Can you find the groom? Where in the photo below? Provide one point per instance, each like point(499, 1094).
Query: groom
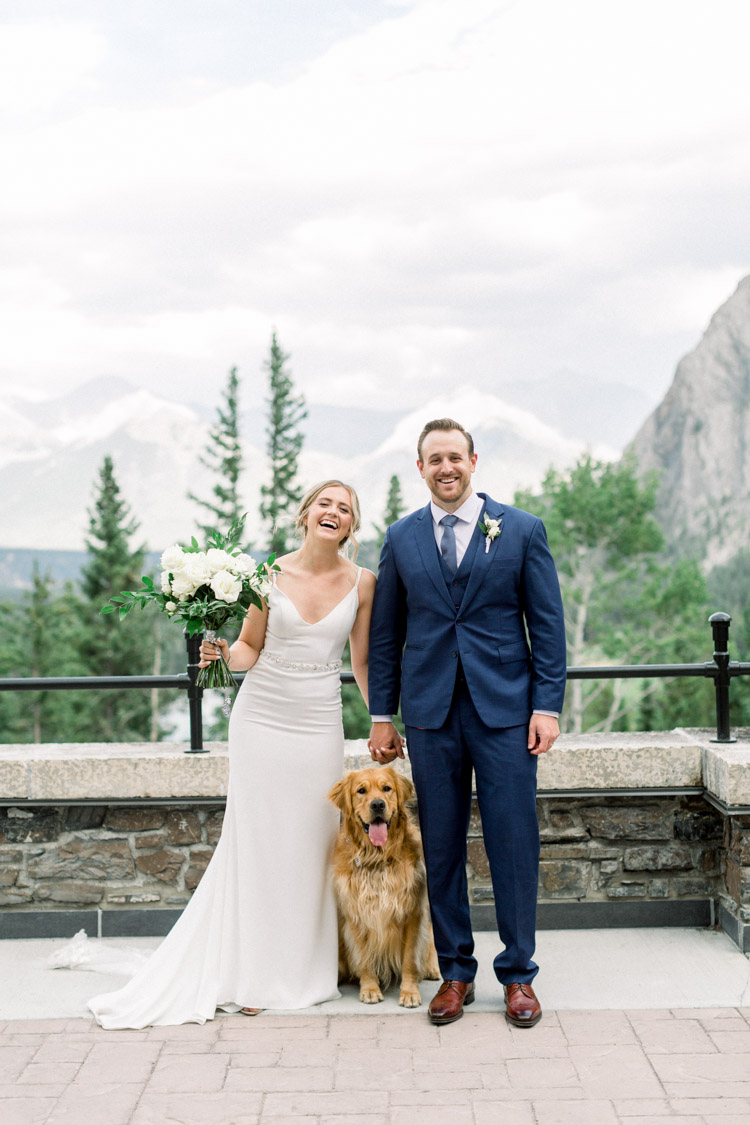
point(462, 584)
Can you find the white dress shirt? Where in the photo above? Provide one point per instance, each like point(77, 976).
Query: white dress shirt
point(468, 516)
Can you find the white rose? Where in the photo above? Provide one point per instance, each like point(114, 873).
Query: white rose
point(173, 559)
point(165, 586)
point(225, 586)
point(218, 560)
point(183, 586)
point(198, 569)
point(170, 607)
point(242, 564)
point(264, 587)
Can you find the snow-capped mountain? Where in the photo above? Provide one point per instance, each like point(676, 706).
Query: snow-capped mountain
point(52, 452)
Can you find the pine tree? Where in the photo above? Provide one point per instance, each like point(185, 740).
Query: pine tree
point(113, 647)
point(223, 457)
point(285, 440)
point(394, 507)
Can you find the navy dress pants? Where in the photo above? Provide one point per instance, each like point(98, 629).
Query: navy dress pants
point(442, 762)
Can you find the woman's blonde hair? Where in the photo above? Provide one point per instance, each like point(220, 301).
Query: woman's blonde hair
point(349, 544)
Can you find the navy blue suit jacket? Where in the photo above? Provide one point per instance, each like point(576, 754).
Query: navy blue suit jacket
point(509, 632)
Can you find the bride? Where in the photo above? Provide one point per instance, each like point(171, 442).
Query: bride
point(260, 930)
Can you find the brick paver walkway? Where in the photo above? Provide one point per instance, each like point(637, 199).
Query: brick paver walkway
point(604, 1067)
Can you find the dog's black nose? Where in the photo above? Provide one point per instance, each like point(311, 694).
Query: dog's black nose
point(377, 806)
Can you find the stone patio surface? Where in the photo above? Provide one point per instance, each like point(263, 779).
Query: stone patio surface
point(616, 1061)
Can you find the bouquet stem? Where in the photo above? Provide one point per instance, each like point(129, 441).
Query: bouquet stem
point(217, 674)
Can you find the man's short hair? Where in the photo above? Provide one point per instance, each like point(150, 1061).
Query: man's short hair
point(444, 424)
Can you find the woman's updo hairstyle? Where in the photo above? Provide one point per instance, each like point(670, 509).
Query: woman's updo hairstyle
point(348, 545)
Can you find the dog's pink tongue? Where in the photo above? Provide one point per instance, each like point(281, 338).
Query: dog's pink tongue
point(378, 833)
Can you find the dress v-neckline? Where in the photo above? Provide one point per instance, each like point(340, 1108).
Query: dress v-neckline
point(320, 619)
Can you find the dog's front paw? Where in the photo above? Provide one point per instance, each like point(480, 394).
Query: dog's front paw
point(370, 995)
point(410, 998)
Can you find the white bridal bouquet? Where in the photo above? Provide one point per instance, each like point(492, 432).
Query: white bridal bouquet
point(205, 589)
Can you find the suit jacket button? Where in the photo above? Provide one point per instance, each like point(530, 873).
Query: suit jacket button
point(455, 583)
point(454, 655)
point(459, 621)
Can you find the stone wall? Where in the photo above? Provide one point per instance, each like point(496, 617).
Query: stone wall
point(650, 828)
point(629, 848)
point(108, 857)
point(154, 855)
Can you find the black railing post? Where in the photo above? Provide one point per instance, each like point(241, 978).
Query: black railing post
point(195, 695)
point(720, 623)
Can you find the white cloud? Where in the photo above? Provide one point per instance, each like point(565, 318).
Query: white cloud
point(454, 190)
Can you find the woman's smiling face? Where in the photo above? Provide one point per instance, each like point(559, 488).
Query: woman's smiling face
point(330, 514)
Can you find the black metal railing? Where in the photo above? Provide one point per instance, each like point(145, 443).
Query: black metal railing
point(720, 669)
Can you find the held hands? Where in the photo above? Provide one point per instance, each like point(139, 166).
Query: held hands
point(385, 743)
point(543, 731)
point(210, 652)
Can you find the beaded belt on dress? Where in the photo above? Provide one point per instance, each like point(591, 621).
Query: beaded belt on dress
point(298, 666)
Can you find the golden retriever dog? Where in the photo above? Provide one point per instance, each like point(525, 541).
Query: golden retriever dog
point(381, 887)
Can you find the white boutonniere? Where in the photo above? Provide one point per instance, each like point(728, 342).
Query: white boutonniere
point(490, 529)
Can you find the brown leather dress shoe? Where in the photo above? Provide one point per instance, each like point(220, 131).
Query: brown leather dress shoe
point(522, 1008)
point(448, 1002)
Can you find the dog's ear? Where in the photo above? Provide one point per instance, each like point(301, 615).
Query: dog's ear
point(404, 788)
point(341, 796)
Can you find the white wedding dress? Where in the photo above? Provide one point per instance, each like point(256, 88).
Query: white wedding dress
point(260, 930)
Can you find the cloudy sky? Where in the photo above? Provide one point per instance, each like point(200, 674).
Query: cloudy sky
point(413, 193)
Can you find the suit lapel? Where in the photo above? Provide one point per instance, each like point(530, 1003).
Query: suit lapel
point(483, 559)
point(425, 537)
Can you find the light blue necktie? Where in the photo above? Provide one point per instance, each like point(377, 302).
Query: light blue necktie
point(448, 542)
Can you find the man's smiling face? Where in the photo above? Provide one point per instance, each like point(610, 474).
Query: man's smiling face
point(447, 467)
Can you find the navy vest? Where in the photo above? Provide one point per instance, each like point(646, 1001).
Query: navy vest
point(458, 582)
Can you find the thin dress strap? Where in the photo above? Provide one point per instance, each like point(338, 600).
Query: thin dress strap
point(359, 575)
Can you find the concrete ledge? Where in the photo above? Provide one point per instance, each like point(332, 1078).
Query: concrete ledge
point(660, 760)
point(726, 771)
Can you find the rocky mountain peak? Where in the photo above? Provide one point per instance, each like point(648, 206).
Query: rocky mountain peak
point(698, 440)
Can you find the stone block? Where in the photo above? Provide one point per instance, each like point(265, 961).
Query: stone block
point(80, 818)
point(628, 823)
point(726, 771)
point(738, 844)
point(200, 857)
point(164, 864)
point(70, 893)
point(564, 851)
point(81, 859)
point(668, 857)
point(214, 822)
point(482, 894)
point(136, 898)
point(134, 819)
point(477, 857)
point(561, 819)
point(709, 861)
point(26, 826)
point(627, 890)
point(609, 866)
point(564, 878)
point(183, 827)
point(15, 896)
point(617, 760)
point(695, 824)
point(737, 879)
point(151, 840)
point(693, 885)
point(658, 888)
point(475, 820)
point(11, 861)
point(573, 835)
